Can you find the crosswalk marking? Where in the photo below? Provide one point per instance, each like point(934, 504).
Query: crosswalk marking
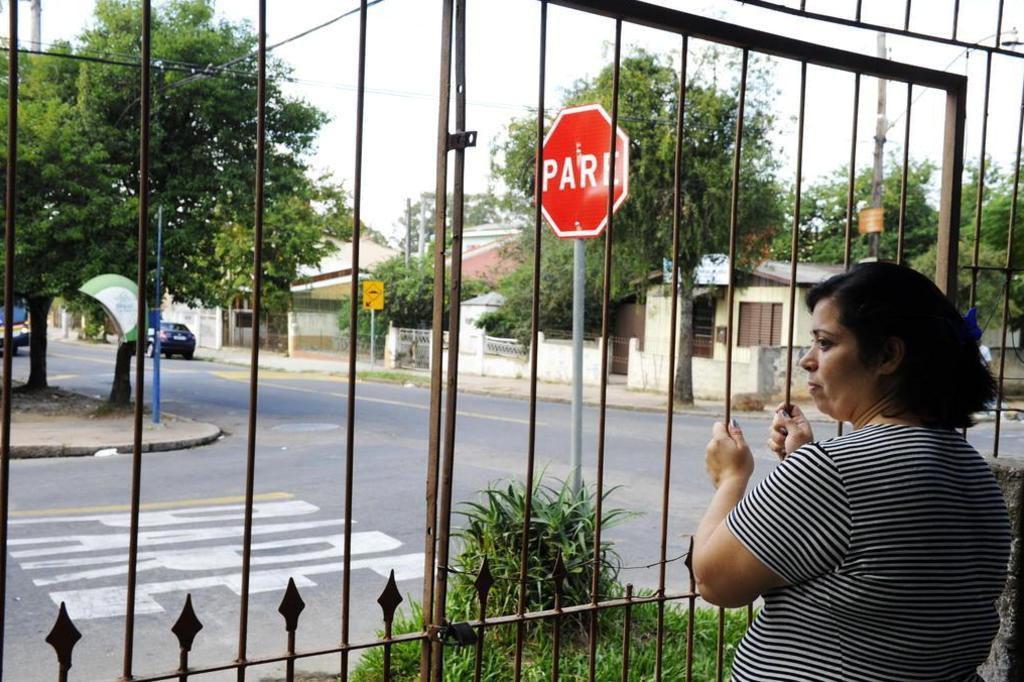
point(84, 556)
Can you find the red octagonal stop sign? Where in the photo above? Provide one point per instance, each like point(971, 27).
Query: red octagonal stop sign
point(575, 173)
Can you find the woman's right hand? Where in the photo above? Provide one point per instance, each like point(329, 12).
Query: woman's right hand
point(789, 431)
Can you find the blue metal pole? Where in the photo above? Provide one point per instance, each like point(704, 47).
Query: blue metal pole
point(156, 324)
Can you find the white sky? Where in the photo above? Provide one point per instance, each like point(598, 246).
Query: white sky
point(403, 67)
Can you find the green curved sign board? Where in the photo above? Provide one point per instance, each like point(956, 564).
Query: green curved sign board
point(119, 297)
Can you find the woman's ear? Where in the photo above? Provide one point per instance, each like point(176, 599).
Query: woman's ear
point(893, 352)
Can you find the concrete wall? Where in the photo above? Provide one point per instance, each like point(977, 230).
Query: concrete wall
point(554, 363)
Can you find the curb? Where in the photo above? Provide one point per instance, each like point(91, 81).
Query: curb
point(64, 450)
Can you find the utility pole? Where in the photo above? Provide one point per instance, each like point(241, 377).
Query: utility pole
point(408, 229)
point(37, 18)
point(881, 126)
point(421, 243)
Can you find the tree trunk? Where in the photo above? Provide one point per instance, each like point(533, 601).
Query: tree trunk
point(121, 391)
point(38, 310)
point(684, 349)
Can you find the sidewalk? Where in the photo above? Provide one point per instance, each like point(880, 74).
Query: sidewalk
point(76, 437)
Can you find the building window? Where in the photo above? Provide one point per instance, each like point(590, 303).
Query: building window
point(703, 327)
point(760, 324)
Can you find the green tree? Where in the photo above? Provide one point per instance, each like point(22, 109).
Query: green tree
point(642, 234)
point(78, 165)
point(822, 235)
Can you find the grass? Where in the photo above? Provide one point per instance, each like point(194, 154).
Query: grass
point(497, 662)
point(394, 377)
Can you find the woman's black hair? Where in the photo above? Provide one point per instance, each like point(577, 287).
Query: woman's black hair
point(942, 379)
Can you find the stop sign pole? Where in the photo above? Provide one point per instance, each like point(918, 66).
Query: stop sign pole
point(575, 177)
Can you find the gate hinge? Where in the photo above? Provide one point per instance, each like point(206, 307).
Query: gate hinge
point(459, 634)
point(461, 139)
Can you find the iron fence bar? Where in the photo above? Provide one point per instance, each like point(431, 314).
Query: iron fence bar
point(950, 191)
point(605, 315)
point(731, 303)
point(531, 444)
point(981, 182)
point(1009, 278)
point(690, 612)
point(956, 17)
point(999, 24)
point(850, 189)
point(257, 303)
point(852, 181)
point(903, 181)
point(795, 237)
point(10, 206)
point(882, 28)
point(283, 658)
point(906, 17)
point(454, 300)
point(627, 626)
point(140, 338)
point(353, 325)
point(857, 15)
point(429, 648)
point(481, 631)
point(556, 621)
point(674, 316)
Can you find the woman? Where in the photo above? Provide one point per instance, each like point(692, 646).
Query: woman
point(879, 553)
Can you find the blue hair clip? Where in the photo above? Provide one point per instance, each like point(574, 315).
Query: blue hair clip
point(971, 329)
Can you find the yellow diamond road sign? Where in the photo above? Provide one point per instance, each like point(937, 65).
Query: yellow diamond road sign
point(373, 295)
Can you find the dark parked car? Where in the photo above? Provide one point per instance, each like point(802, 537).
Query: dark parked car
point(175, 339)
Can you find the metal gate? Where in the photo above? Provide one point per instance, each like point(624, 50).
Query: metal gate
point(455, 140)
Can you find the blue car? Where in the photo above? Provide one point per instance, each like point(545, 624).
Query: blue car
point(20, 332)
point(175, 339)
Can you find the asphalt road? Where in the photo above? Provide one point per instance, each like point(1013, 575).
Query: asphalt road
point(68, 535)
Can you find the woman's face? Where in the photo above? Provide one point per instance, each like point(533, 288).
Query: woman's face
point(842, 386)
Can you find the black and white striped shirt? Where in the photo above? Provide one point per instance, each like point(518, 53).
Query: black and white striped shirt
point(894, 541)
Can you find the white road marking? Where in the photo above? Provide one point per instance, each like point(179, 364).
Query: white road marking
point(108, 602)
point(181, 540)
point(171, 517)
point(218, 558)
point(89, 543)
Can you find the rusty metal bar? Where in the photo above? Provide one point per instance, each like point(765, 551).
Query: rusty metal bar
point(481, 631)
point(999, 26)
point(882, 28)
point(1009, 277)
point(10, 207)
point(949, 191)
point(257, 302)
point(353, 326)
point(430, 647)
point(605, 315)
point(531, 444)
point(677, 198)
point(454, 304)
point(387, 648)
point(794, 244)
point(851, 183)
point(901, 229)
point(556, 622)
point(980, 198)
point(290, 664)
point(627, 627)
point(690, 612)
point(145, 101)
point(731, 304)
point(414, 636)
point(733, 226)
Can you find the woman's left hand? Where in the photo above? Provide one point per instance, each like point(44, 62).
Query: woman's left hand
point(727, 455)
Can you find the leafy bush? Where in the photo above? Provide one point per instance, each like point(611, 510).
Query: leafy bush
point(562, 522)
